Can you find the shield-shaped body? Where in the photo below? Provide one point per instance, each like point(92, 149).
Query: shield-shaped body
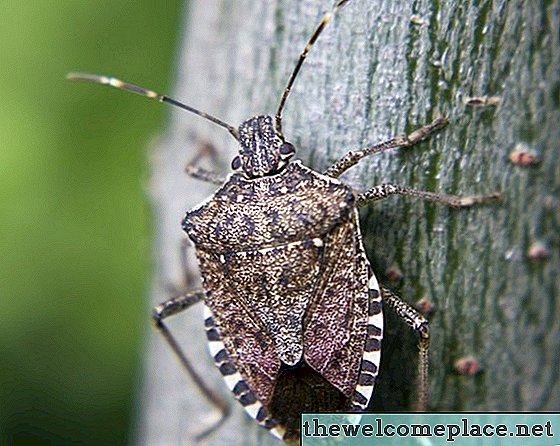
point(293, 313)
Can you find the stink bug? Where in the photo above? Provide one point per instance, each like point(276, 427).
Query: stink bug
point(293, 312)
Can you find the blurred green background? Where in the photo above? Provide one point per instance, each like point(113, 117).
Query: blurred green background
point(74, 220)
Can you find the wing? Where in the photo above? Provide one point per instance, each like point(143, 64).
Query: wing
point(335, 327)
point(248, 345)
point(233, 379)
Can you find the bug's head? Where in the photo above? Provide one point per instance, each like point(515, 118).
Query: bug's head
point(262, 149)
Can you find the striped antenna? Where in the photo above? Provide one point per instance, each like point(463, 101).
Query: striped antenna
point(326, 18)
point(117, 83)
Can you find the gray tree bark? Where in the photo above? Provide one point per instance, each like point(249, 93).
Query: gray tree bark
point(382, 68)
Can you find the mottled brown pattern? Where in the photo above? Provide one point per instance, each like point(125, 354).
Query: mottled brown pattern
point(248, 214)
point(277, 292)
point(335, 326)
point(275, 252)
point(248, 345)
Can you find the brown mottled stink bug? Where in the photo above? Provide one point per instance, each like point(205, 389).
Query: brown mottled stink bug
point(293, 312)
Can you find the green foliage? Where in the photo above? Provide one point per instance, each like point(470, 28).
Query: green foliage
point(73, 226)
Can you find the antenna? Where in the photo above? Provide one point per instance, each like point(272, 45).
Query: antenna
point(117, 83)
point(326, 18)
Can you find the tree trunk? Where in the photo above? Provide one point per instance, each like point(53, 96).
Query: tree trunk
point(380, 69)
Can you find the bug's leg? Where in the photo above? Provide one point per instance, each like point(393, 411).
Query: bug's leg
point(206, 150)
point(172, 307)
point(189, 279)
point(352, 158)
point(420, 324)
point(204, 175)
point(384, 190)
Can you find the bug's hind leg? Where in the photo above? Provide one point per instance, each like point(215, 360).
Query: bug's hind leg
point(419, 324)
point(172, 307)
point(205, 150)
point(352, 158)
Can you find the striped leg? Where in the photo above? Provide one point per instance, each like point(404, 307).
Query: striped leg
point(420, 324)
point(170, 308)
point(372, 353)
point(234, 381)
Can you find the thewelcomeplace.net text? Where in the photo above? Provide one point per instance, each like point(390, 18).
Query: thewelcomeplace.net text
point(450, 431)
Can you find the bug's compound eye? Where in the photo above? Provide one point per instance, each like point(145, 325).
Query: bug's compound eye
point(287, 149)
point(236, 163)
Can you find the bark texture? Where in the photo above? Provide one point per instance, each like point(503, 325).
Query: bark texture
point(379, 69)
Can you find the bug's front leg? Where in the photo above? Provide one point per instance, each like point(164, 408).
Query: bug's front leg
point(172, 307)
point(206, 150)
point(384, 190)
point(202, 174)
point(419, 324)
point(353, 157)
